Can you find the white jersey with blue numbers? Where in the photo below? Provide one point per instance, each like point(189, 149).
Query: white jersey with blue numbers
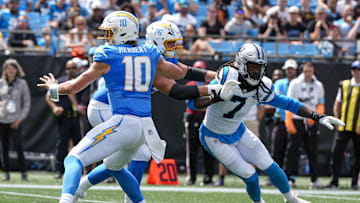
point(225, 118)
point(130, 77)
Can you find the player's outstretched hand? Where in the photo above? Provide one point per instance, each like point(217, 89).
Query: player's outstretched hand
point(329, 121)
point(228, 89)
point(48, 80)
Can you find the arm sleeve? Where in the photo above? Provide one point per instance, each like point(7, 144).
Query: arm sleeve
point(182, 92)
point(191, 105)
point(285, 103)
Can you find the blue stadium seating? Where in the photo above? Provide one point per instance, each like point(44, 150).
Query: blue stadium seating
point(269, 47)
point(202, 10)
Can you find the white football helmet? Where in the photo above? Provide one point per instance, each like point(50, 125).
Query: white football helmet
point(166, 36)
point(251, 53)
point(120, 27)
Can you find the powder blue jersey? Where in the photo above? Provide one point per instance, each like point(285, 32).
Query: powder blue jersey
point(130, 78)
point(58, 14)
point(8, 21)
point(101, 95)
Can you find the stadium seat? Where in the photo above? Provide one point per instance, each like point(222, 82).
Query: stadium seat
point(310, 49)
point(283, 49)
point(34, 20)
point(238, 44)
point(141, 41)
point(269, 47)
point(202, 10)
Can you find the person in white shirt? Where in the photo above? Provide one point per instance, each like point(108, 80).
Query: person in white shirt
point(310, 91)
point(281, 10)
point(182, 18)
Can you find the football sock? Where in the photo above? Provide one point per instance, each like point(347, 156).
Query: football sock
point(98, 174)
point(72, 175)
point(129, 184)
point(137, 168)
point(278, 178)
point(253, 187)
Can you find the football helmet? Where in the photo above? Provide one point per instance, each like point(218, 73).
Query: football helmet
point(167, 37)
point(120, 27)
point(251, 61)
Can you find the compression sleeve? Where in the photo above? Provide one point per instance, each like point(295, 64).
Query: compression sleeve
point(183, 92)
point(195, 74)
point(285, 102)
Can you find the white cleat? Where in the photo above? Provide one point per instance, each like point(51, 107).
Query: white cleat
point(297, 200)
point(79, 195)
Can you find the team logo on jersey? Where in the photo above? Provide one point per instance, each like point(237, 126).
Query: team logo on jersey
point(100, 50)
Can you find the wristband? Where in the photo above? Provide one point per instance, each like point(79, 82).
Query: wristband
point(54, 92)
point(317, 116)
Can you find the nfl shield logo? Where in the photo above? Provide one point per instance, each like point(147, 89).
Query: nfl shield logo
point(150, 132)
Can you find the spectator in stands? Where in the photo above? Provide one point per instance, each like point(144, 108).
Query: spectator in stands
point(319, 28)
point(167, 6)
point(306, 14)
point(255, 10)
point(294, 27)
point(195, 46)
point(182, 18)
point(342, 3)
point(238, 25)
point(281, 10)
point(310, 91)
point(272, 28)
point(67, 120)
point(8, 17)
point(222, 11)
point(126, 6)
point(14, 107)
point(112, 6)
point(94, 21)
point(192, 8)
point(21, 39)
point(338, 47)
point(42, 7)
point(48, 41)
point(346, 22)
point(149, 18)
point(211, 25)
point(72, 13)
point(57, 14)
point(192, 121)
point(29, 6)
point(78, 39)
point(346, 108)
point(332, 12)
point(75, 4)
point(354, 32)
point(357, 11)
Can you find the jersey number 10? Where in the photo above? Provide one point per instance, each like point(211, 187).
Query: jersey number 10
point(137, 73)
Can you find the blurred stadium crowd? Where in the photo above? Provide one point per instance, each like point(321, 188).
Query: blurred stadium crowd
point(214, 28)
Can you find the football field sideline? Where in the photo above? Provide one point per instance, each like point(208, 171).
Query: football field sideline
point(323, 194)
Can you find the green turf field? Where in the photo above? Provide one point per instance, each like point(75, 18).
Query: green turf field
point(43, 188)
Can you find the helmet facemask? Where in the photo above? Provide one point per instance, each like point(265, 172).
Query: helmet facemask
point(252, 72)
point(108, 37)
point(173, 48)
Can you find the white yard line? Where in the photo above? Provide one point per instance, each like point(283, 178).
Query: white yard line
point(191, 189)
point(45, 196)
point(323, 194)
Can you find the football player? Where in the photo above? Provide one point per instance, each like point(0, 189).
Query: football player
point(224, 134)
point(167, 37)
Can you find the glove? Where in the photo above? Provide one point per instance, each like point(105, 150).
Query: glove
point(329, 121)
point(172, 60)
point(223, 92)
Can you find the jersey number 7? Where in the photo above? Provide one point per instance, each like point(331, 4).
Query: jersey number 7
point(235, 98)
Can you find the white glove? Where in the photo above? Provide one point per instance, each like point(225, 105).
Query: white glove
point(228, 89)
point(329, 121)
point(222, 92)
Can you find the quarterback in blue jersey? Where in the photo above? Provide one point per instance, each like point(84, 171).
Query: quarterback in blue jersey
point(165, 36)
point(224, 134)
point(129, 71)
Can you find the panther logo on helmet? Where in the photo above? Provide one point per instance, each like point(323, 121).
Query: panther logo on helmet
point(167, 37)
point(251, 61)
point(120, 27)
